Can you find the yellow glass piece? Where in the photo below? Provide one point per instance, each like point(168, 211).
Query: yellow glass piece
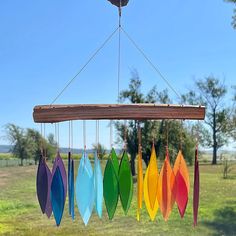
point(139, 184)
point(181, 165)
point(151, 211)
point(152, 178)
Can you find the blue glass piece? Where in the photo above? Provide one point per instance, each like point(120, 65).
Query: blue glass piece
point(57, 196)
point(58, 162)
point(84, 189)
point(69, 181)
point(98, 185)
point(72, 190)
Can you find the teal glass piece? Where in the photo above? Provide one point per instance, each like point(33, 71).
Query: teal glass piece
point(84, 189)
point(115, 160)
point(125, 183)
point(110, 188)
point(98, 185)
point(57, 196)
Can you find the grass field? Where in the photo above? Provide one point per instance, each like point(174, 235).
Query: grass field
point(20, 213)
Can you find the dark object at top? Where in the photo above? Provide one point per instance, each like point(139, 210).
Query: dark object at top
point(118, 2)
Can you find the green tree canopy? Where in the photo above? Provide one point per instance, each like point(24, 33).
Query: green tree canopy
point(211, 93)
point(234, 16)
point(152, 130)
point(29, 144)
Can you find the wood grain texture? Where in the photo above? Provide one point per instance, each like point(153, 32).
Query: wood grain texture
point(59, 113)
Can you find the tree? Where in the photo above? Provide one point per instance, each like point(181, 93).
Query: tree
point(234, 16)
point(151, 130)
point(100, 149)
point(22, 145)
point(36, 142)
point(28, 144)
point(211, 93)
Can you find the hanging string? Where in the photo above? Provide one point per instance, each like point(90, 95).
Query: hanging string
point(84, 66)
point(181, 134)
point(125, 135)
point(111, 135)
point(44, 142)
point(139, 138)
point(41, 139)
point(97, 137)
point(167, 133)
point(84, 133)
point(119, 55)
point(58, 136)
point(71, 123)
point(69, 135)
point(151, 63)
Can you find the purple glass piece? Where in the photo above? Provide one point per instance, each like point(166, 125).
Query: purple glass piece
point(42, 184)
point(59, 163)
point(48, 209)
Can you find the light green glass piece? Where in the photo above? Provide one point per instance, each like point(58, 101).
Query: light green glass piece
point(125, 183)
point(110, 188)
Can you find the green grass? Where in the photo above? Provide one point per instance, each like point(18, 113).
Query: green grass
point(20, 213)
point(5, 156)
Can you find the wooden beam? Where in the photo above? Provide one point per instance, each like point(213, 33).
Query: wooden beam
point(59, 113)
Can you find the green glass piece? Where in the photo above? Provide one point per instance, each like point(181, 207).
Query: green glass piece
point(110, 188)
point(125, 183)
point(115, 161)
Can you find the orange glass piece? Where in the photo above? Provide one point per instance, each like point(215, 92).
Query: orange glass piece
point(152, 178)
point(139, 184)
point(166, 184)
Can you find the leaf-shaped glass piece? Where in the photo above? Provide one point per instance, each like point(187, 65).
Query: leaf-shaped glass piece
point(181, 165)
point(181, 194)
point(110, 188)
point(98, 185)
point(57, 196)
point(152, 180)
point(180, 169)
point(196, 189)
point(59, 163)
point(125, 182)
point(85, 189)
point(71, 185)
point(72, 190)
point(69, 181)
point(166, 195)
point(151, 211)
point(115, 160)
point(42, 184)
point(139, 184)
point(48, 208)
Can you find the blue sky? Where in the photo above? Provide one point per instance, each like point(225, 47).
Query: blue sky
point(43, 44)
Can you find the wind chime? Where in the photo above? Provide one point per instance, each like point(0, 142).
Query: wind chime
point(158, 190)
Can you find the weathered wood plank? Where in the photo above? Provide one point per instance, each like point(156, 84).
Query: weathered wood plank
point(59, 113)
